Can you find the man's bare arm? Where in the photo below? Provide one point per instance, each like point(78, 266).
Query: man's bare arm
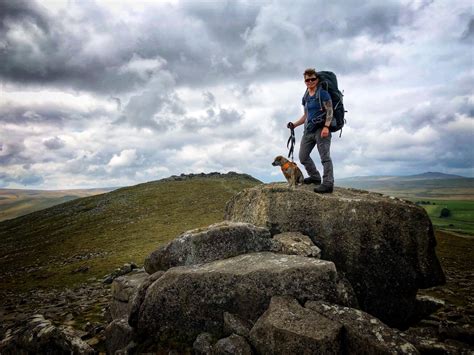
point(300, 120)
point(329, 112)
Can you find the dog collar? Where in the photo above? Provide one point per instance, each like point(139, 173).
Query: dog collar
point(286, 165)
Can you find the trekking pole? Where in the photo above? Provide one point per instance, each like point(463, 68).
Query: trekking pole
point(291, 141)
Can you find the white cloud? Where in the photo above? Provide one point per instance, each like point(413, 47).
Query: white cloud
point(124, 158)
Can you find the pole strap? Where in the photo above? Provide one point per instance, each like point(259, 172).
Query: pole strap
point(291, 144)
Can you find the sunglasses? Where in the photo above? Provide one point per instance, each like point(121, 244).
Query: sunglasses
point(310, 80)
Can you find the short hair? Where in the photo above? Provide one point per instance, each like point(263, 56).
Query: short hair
point(310, 72)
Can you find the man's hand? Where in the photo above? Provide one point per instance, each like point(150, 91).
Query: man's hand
point(290, 125)
point(324, 132)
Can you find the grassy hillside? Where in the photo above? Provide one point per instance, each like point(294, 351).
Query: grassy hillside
point(15, 202)
point(89, 237)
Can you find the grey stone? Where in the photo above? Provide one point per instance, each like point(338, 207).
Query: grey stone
point(140, 296)
point(431, 346)
point(127, 350)
point(452, 330)
point(232, 345)
point(203, 344)
point(118, 335)
point(40, 336)
point(124, 289)
point(295, 243)
point(125, 269)
point(218, 241)
point(364, 334)
point(188, 300)
point(288, 328)
point(426, 305)
point(118, 309)
point(237, 325)
point(385, 247)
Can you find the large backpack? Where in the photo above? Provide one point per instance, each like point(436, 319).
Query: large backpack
point(328, 81)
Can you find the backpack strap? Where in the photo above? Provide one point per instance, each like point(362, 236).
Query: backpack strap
point(319, 96)
point(305, 97)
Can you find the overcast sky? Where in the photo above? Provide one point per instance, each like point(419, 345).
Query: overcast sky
point(113, 93)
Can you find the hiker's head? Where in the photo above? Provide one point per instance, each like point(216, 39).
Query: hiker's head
point(310, 77)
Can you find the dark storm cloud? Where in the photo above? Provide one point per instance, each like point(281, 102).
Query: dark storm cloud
point(13, 152)
point(28, 114)
point(225, 21)
point(441, 111)
point(210, 99)
point(24, 10)
point(209, 45)
point(83, 161)
point(373, 18)
point(468, 34)
point(54, 143)
point(37, 48)
point(215, 118)
point(45, 113)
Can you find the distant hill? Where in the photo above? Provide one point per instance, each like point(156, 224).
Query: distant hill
point(426, 185)
point(18, 202)
point(424, 176)
point(434, 175)
point(91, 236)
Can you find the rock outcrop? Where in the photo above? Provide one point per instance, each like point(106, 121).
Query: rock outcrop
point(124, 290)
point(295, 243)
point(255, 284)
point(218, 241)
point(214, 174)
point(384, 246)
point(288, 328)
point(118, 335)
point(188, 300)
point(363, 334)
point(39, 336)
point(322, 328)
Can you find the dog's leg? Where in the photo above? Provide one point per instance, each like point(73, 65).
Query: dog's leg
point(292, 181)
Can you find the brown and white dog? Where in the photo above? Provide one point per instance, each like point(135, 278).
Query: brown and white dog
point(291, 171)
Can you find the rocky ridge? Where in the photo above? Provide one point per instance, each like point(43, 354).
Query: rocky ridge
point(229, 292)
point(235, 330)
point(183, 177)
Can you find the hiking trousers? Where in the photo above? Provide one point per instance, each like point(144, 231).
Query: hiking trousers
point(308, 142)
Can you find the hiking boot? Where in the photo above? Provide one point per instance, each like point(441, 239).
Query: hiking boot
point(323, 189)
point(312, 180)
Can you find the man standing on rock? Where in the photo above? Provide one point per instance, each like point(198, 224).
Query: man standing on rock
point(317, 117)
